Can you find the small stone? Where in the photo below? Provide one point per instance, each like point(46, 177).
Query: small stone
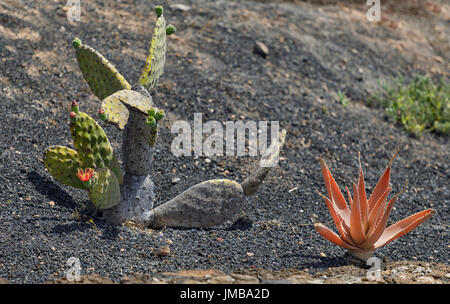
point(315, 282)
point(207, 160)
point(250, 254)
point(225, 279)
point(298, 279)
point(51, 203)
point(219, 239)
point(323, 254)
point(244, 278)
point(180, 7)
point(175, 180)
point(261, 49)
point(424, 279)
point(163, 251)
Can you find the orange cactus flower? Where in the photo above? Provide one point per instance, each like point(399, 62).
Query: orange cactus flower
point(362, 225)
point(85, 175)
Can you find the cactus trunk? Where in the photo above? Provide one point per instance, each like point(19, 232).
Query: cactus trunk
point(137, 191)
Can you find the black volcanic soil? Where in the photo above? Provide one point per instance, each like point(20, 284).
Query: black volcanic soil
point(315, 51)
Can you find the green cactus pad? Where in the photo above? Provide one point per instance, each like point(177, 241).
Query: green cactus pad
point(159, 10)
point(115, 106)
point(154, 65)
point(170, 29)
point(63, 163)
point(104, 191)
point(115, 112)
point(100, 74)
point(91, 143)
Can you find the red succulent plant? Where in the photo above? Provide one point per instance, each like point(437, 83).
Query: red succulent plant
point(362, 225)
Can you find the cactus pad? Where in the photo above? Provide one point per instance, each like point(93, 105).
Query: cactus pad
point(115, 106)
point(154, 65)
point(90, 141)
point(63, 163)
point(104, 191)
point(114, 112)
point(133, 100)
point(100, 74)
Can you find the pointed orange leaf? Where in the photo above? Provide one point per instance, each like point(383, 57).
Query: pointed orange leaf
point(342, 227)
point(334, 193)
point(362, 199)
point(403, 227)
point(356, 225)
point(332, 237)
point(381, 225)
point(380, 188)
point(377, 210)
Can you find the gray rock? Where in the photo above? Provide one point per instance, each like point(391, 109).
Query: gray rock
point(204, 205)
point(269, 160)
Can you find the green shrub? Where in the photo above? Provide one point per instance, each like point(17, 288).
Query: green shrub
point(421, 106)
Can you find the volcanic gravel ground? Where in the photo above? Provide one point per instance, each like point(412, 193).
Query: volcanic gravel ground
point(211, 68)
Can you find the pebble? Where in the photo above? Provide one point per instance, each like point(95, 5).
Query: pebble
point(180, 7)
point(261, 49)
point(176, 180)
point(163, 251)
point(225, 279)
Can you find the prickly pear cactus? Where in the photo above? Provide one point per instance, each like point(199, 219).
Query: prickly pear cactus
point(104, 191)
point(94, 167)
point(100, 74)
point(154, 65)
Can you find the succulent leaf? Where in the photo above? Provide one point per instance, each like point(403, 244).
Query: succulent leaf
point(63, 164)
point(104, 191)
point(91, 142)
point(100, 74)
point(117, 105)
point(154, 64)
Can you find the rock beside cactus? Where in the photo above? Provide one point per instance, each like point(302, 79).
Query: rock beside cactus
point(204, 205)
point(262, 168)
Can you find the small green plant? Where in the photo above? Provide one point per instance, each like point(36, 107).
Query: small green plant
point(342, 99)
point(421, 106)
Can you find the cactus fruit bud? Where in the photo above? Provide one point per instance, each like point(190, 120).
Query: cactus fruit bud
point(74, 106)
point(159, 10)
point(76, 43)
point(73, 116)
point(159, 115)
point(151, 121)
point(102, 115)
point(170, 29)
point(151, 112)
